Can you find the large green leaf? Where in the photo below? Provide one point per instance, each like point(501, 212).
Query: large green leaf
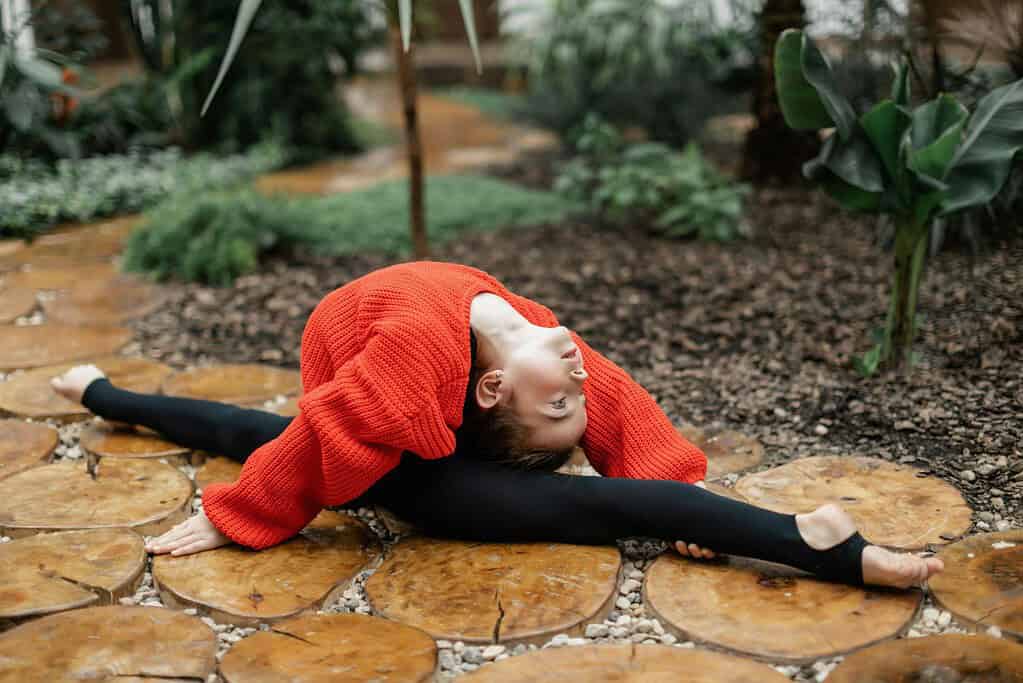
point(849, 196)
point(817, 71)
point(43, 73)
point(885, 126)
point(801, 105)
point(246, 11)
point(984, 159)
point(470, 30)
point(5, 51)
point(935, 135)
point(900, 87)
point(854, 161)
point(405, 22)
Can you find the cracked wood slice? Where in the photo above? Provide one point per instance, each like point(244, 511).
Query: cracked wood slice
point(240, 586)
point(73, 245)
point(771, 611)
point(215, 470)
point(49, 573)
point(948, 658)
point(15, 302)
point(24, 445)
point(33, 346)
point(109, 643)
point(625, 664)
point(104, 303)
point(103, 440)
point(29, 393)
point(891, 504)
point(61, 277)
point(983, 580)
point(144, 495)
point(244, 384)
point(490, 592)
point(332, 648)
point(727, 451)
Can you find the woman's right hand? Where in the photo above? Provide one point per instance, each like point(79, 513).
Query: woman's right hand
point(195, 534)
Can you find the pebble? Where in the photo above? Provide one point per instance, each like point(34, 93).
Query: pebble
point(1003, 525)
point(820, 430)
point(444, 644)
point(944, 619)
point(622, 603)
point(986, 516)
point(967, 475)
point(618, 632)
point(998, 503)
point(630, 586)
point(636, 574)
point(669, 639)
point(597, 631)
point(472, 655)
point(644, 626)
point(458, 647)
point(492, 651)
point(447, 659)
point(931, 614)
point(994, 632)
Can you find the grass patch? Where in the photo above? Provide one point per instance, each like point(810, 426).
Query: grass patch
point(217, 236)
point(499, 105)
point(370, 134)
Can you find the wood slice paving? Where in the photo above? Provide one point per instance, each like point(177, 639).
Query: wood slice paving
point(144, 495)
point(62, 277)
point(33, 346)
point(74, 244)
point(770, 611)
point(489, 592)
point(341, 648)
point(289, 408)
point(727, 451)
point(104, 303)
point(625, 664)
point(983, 580)
point(24, 445)
point(103, 440)
point(107, 644)
point(240, 586)
point(949, 658)
point(29, 394)
point(215, 470)
point(49, 573)
point(245, 384)
point(15, 302)
point(892, 505)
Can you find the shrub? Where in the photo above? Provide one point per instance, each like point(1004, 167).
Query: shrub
point(679, 194)
point(218, 236)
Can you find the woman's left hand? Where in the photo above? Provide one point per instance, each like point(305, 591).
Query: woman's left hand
point(691, 549)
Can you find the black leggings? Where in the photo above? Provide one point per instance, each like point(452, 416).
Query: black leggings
point(457, 497)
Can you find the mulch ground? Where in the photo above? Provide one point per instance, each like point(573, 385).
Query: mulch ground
point(755, 335)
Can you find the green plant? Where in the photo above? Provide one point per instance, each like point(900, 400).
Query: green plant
point(216, 236)
point(499, 105)
point(679, 194)
point(911, 163)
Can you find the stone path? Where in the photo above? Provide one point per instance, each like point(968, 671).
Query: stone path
point(360, 594)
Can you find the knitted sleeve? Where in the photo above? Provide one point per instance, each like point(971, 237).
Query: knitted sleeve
point(627, 434)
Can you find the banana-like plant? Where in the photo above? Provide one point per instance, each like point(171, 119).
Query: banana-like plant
point(914, 164)
point(406, 76)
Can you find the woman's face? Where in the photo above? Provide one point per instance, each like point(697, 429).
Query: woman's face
point(545, 374)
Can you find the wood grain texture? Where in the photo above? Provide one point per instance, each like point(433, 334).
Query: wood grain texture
point(489, 592)
point(32, 346)
point(983, 580)
point(334, 648)
point(215, 470)
point(625, 664)
point(49, 573)
point(244, 384)
point(108, 644)
point(149, 497)
point(949, 658)
point(891, 505)
point(24, 445)
point(241, 586)
point(61, 278)
point(15, 302)
point(770, 611)
point(29, 393)
point(74, 244)
point(727, 451)
point(103, 440)
point(109, 302)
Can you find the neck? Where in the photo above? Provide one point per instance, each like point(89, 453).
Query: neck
point(498, 329)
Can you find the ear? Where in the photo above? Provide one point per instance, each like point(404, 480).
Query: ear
point(490, 388)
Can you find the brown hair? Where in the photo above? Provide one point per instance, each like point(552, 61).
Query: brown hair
point(496, 435)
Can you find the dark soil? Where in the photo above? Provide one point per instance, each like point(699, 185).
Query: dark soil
point(754, 335)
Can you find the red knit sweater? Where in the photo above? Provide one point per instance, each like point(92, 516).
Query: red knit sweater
point(385, 367)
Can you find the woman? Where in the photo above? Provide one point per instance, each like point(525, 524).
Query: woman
point(432, 390)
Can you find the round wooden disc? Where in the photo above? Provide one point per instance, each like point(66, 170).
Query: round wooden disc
point(32, 346)
point(147, 496)
point(239, 586)
point(341, 648)
point(948, 658)
point(61, 277)
point(104, 441)
point(982, 579)
point(217, 469)
point(24, 445)
point(771, 611)
point(105, 303)
point(892, 506)
point(241, 384)
point(484, 593)
point(727, 451)
point(720, 490)
point(73, 245)
point(625, 664)
point(107, 644)
point(53, 572)
point(289, 408)
point(29, 394)
point(15, 302)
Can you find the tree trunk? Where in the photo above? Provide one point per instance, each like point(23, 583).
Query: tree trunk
point(910, 246)
point(773, 151)
point(405, 62)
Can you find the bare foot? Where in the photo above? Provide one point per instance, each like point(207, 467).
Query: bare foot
point(829, 525)
point(73, 383)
